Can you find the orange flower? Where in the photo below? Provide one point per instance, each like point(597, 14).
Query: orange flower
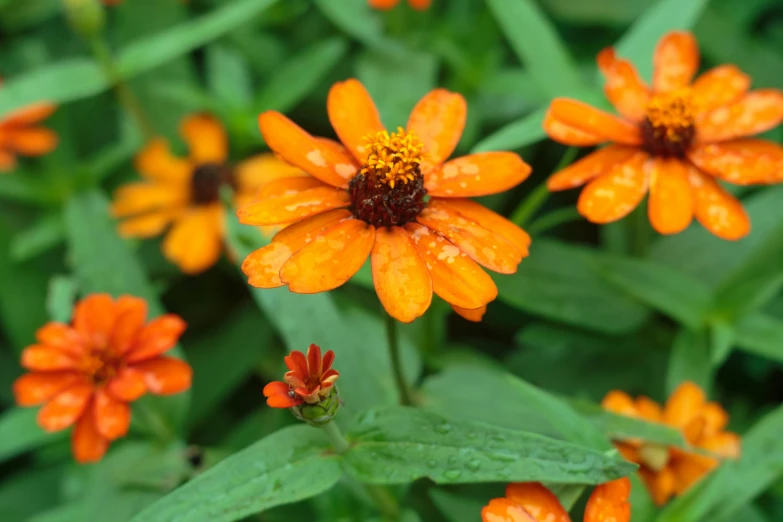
point(88, 372)
point(369, 199)
point(671, 471)
point(309, 380)
point(385, 5)
point(675, 138)
point(20, 135)
point(532, 502)
point(185, 193)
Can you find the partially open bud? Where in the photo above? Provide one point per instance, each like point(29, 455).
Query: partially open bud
point(309, 389)
point(86, 17)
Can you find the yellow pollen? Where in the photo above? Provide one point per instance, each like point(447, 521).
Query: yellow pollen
point(671, 115)
point(392, 158)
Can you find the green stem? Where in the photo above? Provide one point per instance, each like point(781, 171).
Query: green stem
point(553, 219)
point(336, 437)
point(640, 228)
point(396, 359)
point(540, 195)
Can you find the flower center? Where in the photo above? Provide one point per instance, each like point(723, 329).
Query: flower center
point(100, 367)
point(389, 188)
point(654, 456)
point(668, 128)
point(206, 182)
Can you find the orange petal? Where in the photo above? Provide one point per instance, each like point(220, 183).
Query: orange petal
point(136, 198)
point(292, 206)
point(505, 510)
point(474, 315)
point(28, 115)
point(624, 89)
point(649, 409)
point(438, 120)
point(32, 141)
point(401, 278)
point(485, 246)
point(165, 375)
point(315, 156)
point(756, 112)
point(620, 403)
point(277, 394)
point(195, 240)
point(131, 313)
point(661, 484)
point(588, 119)
point(609, 502)
point(684, 404)
point(93, 319)
point(128, 385)
point(715, 418)
point(262, 267)
point(258, 171)
point(330, 259)
point(477, 175)
point(615, 194)
point(65, 407)
point(297, 363)
point(112, 417)
point(725, 444)
point(742, 162)
point(46, 358)
point(717, 210)
point(421, 5)
point(62, 337)
point(537, 500)
point(158, 336)
point(456, 278)
point(206, 139)
point(567, 134)
point(7, 161)
point(719, 86)
point(156, 163)
point(34, 388)
point(149, 225)
point(689, 469)
point(671, 202)
point(87, 444)
point(675, 62)
point(587, 168)
point(353, 115)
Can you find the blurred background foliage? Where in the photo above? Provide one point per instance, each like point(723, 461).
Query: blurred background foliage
point(592, 309)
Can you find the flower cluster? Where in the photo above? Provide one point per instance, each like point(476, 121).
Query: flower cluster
point(20, 134)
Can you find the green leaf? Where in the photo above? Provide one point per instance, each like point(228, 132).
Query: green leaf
point(59, 301)
point(358, 20)
point(29, 491)
point(723, 493)
point(722, 337)
point(525, 131)
point(761, 334)
point(396, 445)
point(228, 76)
point(290, 465)
point(20, 433)
point(43, 235)
point(690, 360)
point(456, 508)
point(559, 282)
point(616, 426)
point(747, 295)
point(536, 42)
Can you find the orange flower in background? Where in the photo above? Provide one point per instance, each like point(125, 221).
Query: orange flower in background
point(184, 193)
point(533, 502)
point(391, 197)
point(309, 380)
point(671, 471)
point(88, 372)
point(385, 5)
point(674, 138)
point(20, 134)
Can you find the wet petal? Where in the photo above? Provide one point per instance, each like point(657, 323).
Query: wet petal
point(131, 314)
point(158, 336)
point(278, 397)
point(32, 141)
point(258, 171)
point(615, 194)
point(756, 112)
point(589, 167)
point(128, 385)
point(477, 175)
point(505, 510)
point(62, 337)
point(65, 407)
point(475, 315)
point(330, 259)
point(294, 206)
point(353, 115)
point(149, 225)
point(588, 119)
point(675, 62)
point(136, 198)
point(684, 404)
point(438, 120)
point(619, 402)
point(34, 388)
point(262, 267)
point(401, 278)
point(719, 86)
point(609, 502)
point(206, 139)
point(537, 500)
point(623, 87)
point(93, 319)
point(165, 375)
point(315, 156)
point(742, 162)
point(717, 210)
point(671, 203)
point(45, 358)
point(195, 240)
point(87, 444)
point(112, 417)
point(567, 134)
point(157, 163)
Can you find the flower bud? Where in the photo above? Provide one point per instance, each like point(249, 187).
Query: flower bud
point(86, 17)
point(321, 412)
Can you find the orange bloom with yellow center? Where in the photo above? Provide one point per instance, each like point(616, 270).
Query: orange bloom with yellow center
point(669, 471)
point(86, 373)
point(673, 139)
point(309, 380)
point(532, 502)
point(21, 135)
point(391, 197)
point(385, 5)
point(185, 193)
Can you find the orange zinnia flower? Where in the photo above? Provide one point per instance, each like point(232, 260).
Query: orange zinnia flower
point(671, 471)
point(532, 502)
point(675, 138)
point(385, 5)
point(185, 193)
point(389, 197)
point(20, 135)
point(309, 380)
point(88, 372)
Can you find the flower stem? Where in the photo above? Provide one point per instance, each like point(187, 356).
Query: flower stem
point(396, 359)
point(540, 195)
point(337, 439)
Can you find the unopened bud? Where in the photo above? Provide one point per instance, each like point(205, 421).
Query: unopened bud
point(321, 412)
point(86, 17)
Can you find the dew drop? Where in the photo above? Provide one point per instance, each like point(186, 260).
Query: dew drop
point(473, 464)
point(452, 474)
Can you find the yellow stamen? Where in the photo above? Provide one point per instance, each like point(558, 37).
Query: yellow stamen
point(654, 456)
point(392, 158)
point(671, 115)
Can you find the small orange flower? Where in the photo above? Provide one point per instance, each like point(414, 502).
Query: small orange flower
point(88, 372)
point(385, 5)
point(674, 139)
point(309, 380)
point(184, 193)
point(20, 135)
point(532, 502)
point(671, 471)
point(391, 197)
